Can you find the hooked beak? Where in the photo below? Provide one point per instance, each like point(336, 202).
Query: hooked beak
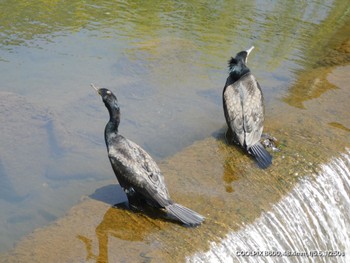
point(248, 52)
point(95, 88)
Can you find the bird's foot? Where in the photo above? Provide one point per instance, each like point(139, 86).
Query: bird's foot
point(268, 141)
point(136, 202)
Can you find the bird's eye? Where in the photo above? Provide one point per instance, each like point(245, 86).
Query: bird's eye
point(108, 92)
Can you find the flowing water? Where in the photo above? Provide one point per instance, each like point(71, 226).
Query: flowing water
point(311, 223)
point(166, 62)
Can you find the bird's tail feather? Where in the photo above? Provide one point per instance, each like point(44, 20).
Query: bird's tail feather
point(185, 215)
point(262, 156)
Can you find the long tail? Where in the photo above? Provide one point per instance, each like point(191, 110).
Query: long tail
point(185, 215)
point(262, 156)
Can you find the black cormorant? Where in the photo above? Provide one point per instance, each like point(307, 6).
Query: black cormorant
point(244, 109)
point(136, 171)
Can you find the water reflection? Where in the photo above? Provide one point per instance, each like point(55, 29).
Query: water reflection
point(212, 27)
point(313, 83)
point(118, 222)
point(231, 169)
point(310, 85)
point(339, 126)
point(231, 174)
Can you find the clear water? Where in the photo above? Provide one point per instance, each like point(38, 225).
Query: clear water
point(166, 62)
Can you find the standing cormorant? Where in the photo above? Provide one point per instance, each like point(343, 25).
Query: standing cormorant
point(244, 109)
point(137, 173)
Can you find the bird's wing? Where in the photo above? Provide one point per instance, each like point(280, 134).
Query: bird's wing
point(253, 109)
point(233, 110)
point(136, 167)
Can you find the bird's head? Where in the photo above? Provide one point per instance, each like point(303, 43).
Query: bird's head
point(110, 101)
point(107, 96)
point(243, 55)
point(237, 64)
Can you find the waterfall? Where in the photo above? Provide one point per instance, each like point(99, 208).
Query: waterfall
point(309, 224)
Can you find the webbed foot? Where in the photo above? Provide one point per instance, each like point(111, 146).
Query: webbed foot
point(268, 141)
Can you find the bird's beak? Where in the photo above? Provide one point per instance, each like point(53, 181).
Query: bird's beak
point(249, 50)
point(97, 90)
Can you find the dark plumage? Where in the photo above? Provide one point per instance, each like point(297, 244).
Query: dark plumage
point(137, 173)
point(244, 109)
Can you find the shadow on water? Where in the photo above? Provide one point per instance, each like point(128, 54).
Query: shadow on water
point(111, 194)
point(116, 197)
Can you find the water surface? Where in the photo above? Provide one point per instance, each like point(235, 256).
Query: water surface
point(166, 62)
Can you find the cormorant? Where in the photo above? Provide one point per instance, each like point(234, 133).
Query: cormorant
point(136, 171)
point(244, 109)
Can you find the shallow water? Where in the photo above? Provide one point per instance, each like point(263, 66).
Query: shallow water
point(230, 191)
point(167, 64)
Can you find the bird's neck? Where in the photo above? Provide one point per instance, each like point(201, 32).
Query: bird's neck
point(114, 118)
point(238, 71)
point(111, 131)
